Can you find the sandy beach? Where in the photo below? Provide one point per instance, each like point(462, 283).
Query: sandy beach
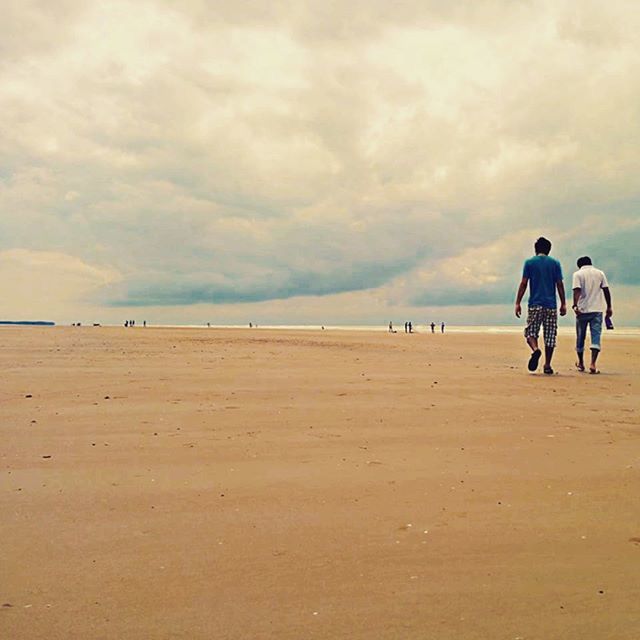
point(214, 484)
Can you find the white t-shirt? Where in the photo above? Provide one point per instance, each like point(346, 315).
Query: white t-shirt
point(590, 281)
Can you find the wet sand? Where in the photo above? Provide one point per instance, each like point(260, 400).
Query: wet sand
point(243, 484)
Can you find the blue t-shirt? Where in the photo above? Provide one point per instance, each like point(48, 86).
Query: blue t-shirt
point(542, 272)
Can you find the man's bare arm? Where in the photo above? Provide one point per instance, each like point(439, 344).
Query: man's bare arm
point(576, 297)
point(563, 299)
point(521, 289)
point(607, 297)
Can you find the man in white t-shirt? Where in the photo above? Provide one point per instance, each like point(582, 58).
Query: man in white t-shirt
point(590, 293)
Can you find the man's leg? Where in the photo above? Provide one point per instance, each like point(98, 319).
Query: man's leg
point(550, 327)
point(531, 333)
point(548, 354)
point(595, 328)
point(581, 333)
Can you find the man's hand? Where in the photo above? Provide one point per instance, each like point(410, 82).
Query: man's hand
point(609, 312)
point(563, 299)
point(522, 287)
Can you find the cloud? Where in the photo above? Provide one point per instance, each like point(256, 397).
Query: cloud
point(617, 254)
point(253, 152)
point(42, 284)
point(475, 277)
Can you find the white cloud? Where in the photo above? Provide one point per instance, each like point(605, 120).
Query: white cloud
point(44, 284)
point(258, 151)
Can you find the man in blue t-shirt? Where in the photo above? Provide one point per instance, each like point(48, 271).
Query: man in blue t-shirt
point(543, 274)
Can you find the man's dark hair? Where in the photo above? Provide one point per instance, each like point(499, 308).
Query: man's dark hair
point(585, 260)
point(542, 245)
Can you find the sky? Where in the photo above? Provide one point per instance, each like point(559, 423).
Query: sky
point(292, 162)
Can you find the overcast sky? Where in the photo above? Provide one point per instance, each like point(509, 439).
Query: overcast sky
point(312, 162)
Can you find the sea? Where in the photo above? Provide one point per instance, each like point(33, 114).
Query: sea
point(418, 329)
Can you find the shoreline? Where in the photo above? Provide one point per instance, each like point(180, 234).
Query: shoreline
point(564, 331)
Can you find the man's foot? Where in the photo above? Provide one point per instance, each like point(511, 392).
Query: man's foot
point(593, 371)
point(548, 371)
point(579, 366)
point(534, 359)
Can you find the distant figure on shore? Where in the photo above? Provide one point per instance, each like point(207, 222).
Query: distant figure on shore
point(406, 327)
point(144, 323)
point(250, 325)
point(410, 328)
point(590, 292)
point(433, 327)
point(126, 323)
point(390, 326)
point(442, 327)
point(543, 275)
point(208, 324)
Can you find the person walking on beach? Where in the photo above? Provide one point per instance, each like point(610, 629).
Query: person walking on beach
point(543, 275)
point(590, 293)
point(442, 327)
point(433, 327)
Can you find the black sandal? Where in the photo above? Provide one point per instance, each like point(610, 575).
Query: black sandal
point(534, 359)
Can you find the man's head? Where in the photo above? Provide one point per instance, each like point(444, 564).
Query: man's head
point(542, 245)
point(584, 261)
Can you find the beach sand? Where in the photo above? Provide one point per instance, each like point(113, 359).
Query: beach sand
point(194, 483)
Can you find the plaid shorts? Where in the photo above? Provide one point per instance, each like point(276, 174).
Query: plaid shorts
point(548, 318)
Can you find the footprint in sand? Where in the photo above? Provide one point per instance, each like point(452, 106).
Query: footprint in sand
point(635, 540)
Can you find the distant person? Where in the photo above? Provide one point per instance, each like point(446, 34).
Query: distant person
point(390, 327)
point(543, 275)
point(406, 327)
point(144, 323)
point(126, 323)
point(208, 324)
point(590, 293)
point(410, 328)
point(251, 325)
point(433, 327)
point(442, 327)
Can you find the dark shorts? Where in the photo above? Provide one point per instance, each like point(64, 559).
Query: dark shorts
point(548, 318)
